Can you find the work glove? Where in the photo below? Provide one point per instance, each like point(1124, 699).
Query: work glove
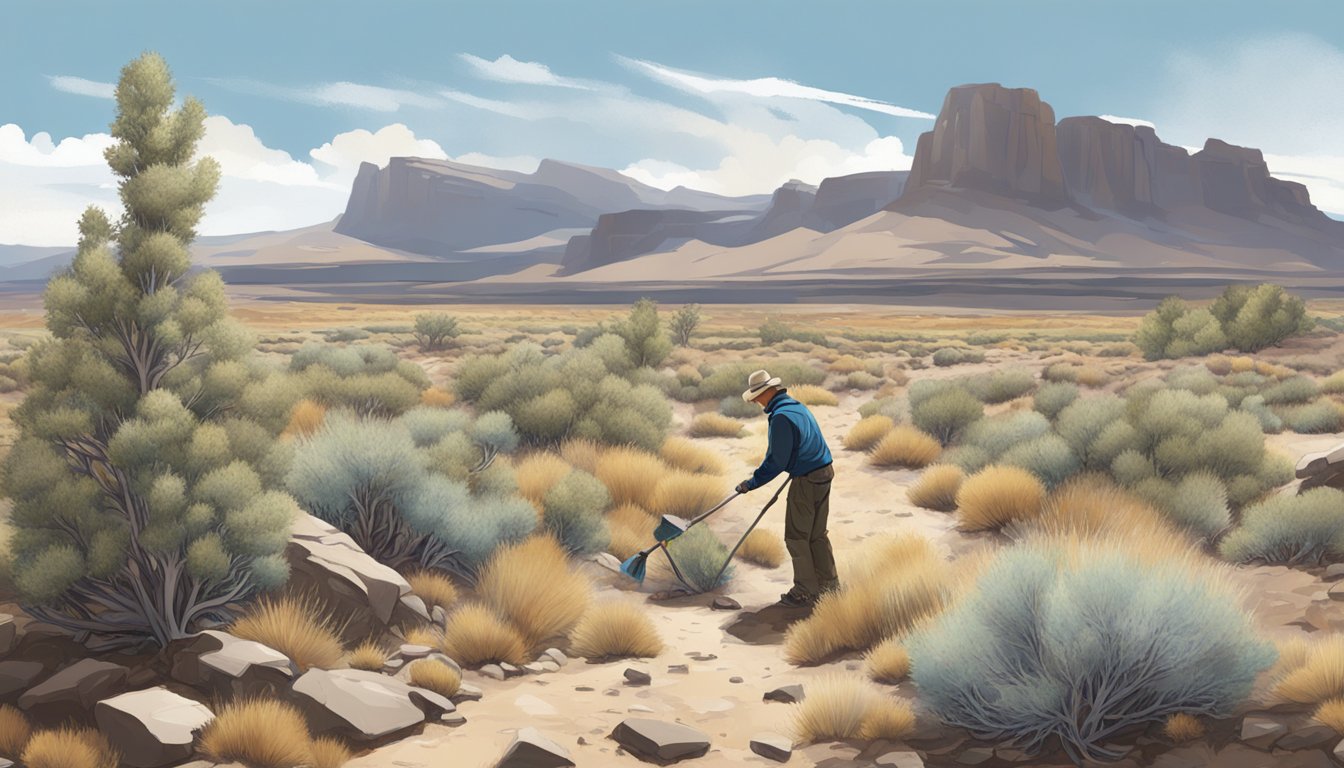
point(742, 487)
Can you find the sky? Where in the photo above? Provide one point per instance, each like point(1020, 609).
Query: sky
point(727, 96)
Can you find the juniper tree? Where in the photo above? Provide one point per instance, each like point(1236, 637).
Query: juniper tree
point(140, 476)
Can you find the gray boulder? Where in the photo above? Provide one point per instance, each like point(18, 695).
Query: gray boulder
point(786, 694)
point(658, 741)
point(16, 676)
point(1261, 731)
point(9, 633)
point(153, 727)
point(772, 746)
point(364, 706)
point(72, 692)
point(222, 664)
point(531, 749)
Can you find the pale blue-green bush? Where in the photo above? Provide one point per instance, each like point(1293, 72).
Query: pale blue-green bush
point(1270, 422)
point(573, 511)
point(1290, 391)
point(1048, 457)
point(738, 408)
point(1313, 419)
point(1001, 384)
point(1198, 503)
point(1053, 397)
point(699, 555)
point(1294, 530)
point(894, 408)
point(998, 434)
point(946, 415)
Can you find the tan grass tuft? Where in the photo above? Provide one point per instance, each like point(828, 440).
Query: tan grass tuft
point(424, 634)
point(1320, 677)
point(296, 627)
point(846, 364)
point(888, 662)
point(328, 752)
point(714, 425)
point(686, 495)
point(532, 585)
point(629, 474)
point(842, 708)
point(71, 747)
point(1091, 376)
point(615, 629)
point(582, 454)
point(1182, 727)
point(439, 398)
point(262, 733)
point(996, 496)
point(905, 446)
point(435, 676)
point(866, 434)
point(888, 718)
point(685, 455)
point(631, 530)
point(1092, 506)
point(306, 418)
point(475, 636)
point(763, 548)
point(936, 488)
point(14, 732)
point(369, 656)
point(537, 474)
point(434, 588)
point(811, 394)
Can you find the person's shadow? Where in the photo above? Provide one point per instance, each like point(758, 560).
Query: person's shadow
point(765, 626)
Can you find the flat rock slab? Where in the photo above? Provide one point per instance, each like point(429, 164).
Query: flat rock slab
point(655, 740)
point(772, 746)
point(9, 633)
point(900, 760)
point(16, 676)
point(1261, 732)
point(1308, 737)
point(532, 749)
point(786, 694)
point(72, 692)
point(364, 706)
point(230, 665)
point(153, 727)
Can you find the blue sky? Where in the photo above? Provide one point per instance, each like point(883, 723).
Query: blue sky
point(729, 96)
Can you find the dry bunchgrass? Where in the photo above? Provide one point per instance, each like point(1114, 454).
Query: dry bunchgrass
point(1182, 727)
point(888, 718)
point(368, 655)
point(892, 585)
point(14, 732)
point(714, 425)
point(685, 455)
point(811, 394)
point(615, 629)
point(440, 398)
point(870, 429)
point(842, 708)
point(685, 494)
point(582, 454)
point(1319, 677)
point(1292, 653)
point(328, 752)
point(846, 364)
point(305, 419)
point(1093, 506)
point(533, 586)
point(997, 496)
point(1220, 365)
point(629, 474)
point(888, 662)
point(262, 733)
point(475, 636)
point(763, 548)
point(537, 474)
point(434, 588)
point(295, 627)
point(936, 488)
point(1091, 376)
point(435, 676)
point(425, 635)
point(631, 530)
point(905, 446)
point(1331, 714)
point(69, 747)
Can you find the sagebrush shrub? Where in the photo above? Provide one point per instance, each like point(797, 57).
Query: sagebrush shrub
point(1081, 642)
point(573, 512)
point(1306, 528)
point(1053, 397)
point(1293, 390)
point(1259, 317)
point(1316, 418)
point(1048, 457)
point(892, 407)
point(997, 434)
point(699, 555)
point(1001, 384)
point(1198, 503)
point(947, 414)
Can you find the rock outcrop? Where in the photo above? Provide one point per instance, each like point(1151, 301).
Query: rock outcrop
point(71, 693)
point(153, 727)
point(228, 666)
point(364, 706)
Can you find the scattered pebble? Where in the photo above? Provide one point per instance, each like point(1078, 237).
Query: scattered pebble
point(735, 679)
point(678, 669)
point(493, 671)
point(635, 677)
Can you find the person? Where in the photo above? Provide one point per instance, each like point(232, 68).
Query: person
point(798, 448)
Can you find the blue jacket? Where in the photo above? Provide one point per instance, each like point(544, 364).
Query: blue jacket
point(796, 444)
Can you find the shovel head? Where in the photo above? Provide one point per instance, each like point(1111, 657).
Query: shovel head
point(634, 566)
point(669, 528)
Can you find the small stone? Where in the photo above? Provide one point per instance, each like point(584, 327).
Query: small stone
point(678, 669)
point(413, 651)
point(697, 656)
point(466, 692)
point(1261, 732)
point(439, 616)
point(1334, 572)
point(392, 665)
point(635, 677)
point(549, 666)
point(493, 671)
point(611, 692)
point(1339, 752)
point(556, 655)
point(452, 719)
point(735, 679)
point(640, 708)
point(785, 694)
point(534, 668)
point(772, 746)
point(1307, 737)
point(584, 688)
point(510, 670)
point(722, 603)
point(974, 755)
point(6, 763)
point(531, 749)
point(1336, 591)
point(582, 742)
point(904, 759)
point(660, 741)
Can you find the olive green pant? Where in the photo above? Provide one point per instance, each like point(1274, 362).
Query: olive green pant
point(808, 507)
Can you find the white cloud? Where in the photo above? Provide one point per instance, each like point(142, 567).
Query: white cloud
point(374, 98)
point(765, 88)
point(507, 69)
point(1127, 120)
point(1323, 176)
point(15, 149)
point(346, 151)
point(82, 87)
point(499, 107)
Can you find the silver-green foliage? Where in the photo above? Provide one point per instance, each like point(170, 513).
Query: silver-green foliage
point(368, 379)
point(1053, 397)
point(1301, 529)
point(945, 414)
point(573, 511)
point(699, 555)
point(1084, 648)
point(140, 480)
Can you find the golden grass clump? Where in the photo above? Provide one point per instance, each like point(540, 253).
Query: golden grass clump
point(70, 747)
point(582, 454)
point(888, 718)
point(686, 494)
point(1220, 365)
point(714, 425)
point(369, 656)
point(811, 394)
point(295, 627)
point(531, 584)
point(438, 398)
point(842, 708)
point(1091, 376)
point(629, 474)
point(1331, 713)
point(14, 732)
point(1182, 727)
point(1242, 364)
point(263, 733)
point(434, 588)
point(475, 636)
point(685, 455)
point(424, 634)
point(868, 431)
point(1093, 506)
point(936, 488)
point(846, 364)
point(631, 530)
point(996, 496)
point(615, 629)
point(328, 752)
point(888, 662)
point(905, 446)
point(763, 548)
point(435, 676)
point(1320, 675)
point(894, 584)
point(306, 418)
point(537, 474)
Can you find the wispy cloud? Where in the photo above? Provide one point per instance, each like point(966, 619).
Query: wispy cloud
point(82, 87)
point(765, 87)
point(498, 106)
point(507, 69)
point(374, 98)
point(1127, 120)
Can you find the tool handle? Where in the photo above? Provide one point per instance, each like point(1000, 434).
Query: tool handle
point(712, 509)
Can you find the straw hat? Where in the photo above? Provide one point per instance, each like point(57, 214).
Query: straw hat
point(758, 382)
